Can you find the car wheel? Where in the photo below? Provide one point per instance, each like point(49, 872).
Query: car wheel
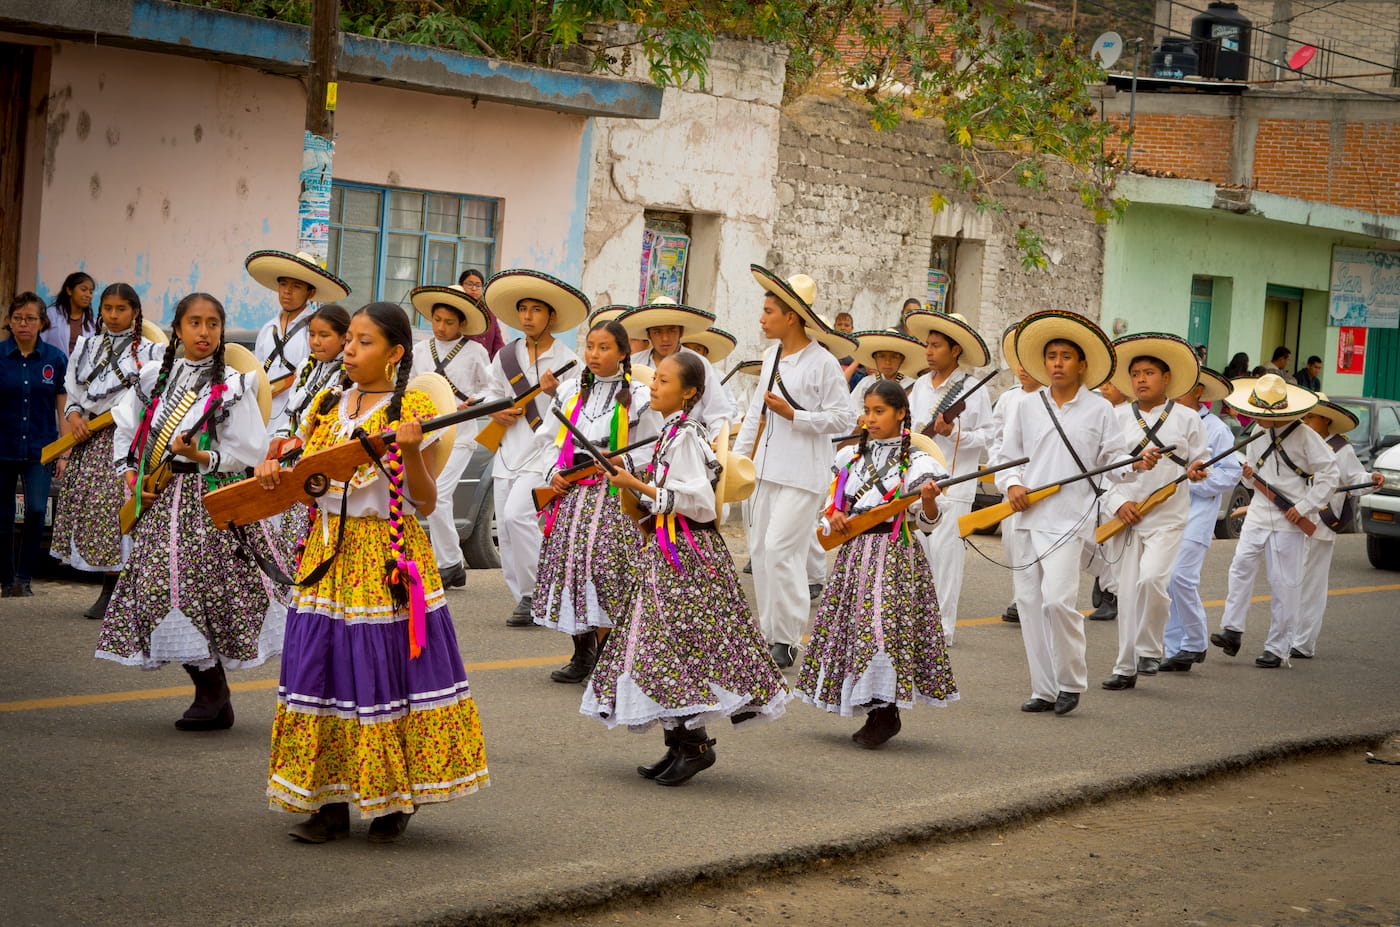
point(482, 549)
point(1228, 528)
point(1384, 553)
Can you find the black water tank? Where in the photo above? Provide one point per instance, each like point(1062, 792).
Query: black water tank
point(1221, 34)
point(1175, 57)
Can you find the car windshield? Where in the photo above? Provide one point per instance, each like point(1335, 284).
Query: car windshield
point(1361, 434)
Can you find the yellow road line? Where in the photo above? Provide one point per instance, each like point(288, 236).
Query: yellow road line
point(104, 698)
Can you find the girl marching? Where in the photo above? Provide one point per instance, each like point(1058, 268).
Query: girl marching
point(185, 596)
point(687, 651)
point(589, 543)
point(877, 639)
point(103, 368)
point(373, 707)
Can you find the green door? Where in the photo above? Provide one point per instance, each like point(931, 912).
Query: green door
point(1198, 323)
point(1383, 363)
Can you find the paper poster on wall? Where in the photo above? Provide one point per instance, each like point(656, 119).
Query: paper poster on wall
point(666, 271)
point(1365, 288)
point(648, 245)
point(937, 290)
point(314, 202)
point(1351, 350)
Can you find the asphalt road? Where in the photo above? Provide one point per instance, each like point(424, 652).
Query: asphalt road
point(118, 818)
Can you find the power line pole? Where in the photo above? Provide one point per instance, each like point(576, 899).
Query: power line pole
point(318, 140)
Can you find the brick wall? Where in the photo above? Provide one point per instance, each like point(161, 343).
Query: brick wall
point(1356, 165)
point(1188, 145)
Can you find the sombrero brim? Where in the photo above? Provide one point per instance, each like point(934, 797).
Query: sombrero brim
point(737, 477)
point(1217, 387)
point(751, 368)
point(837, 342)
point(817, 328)
point(717, 341)
point(689, 319)
point(1340, 418)
point(437, 388)
point(1299, 401)
point(922, 322)
point(242, 360)
point(153, 333)
point(506, 289)
point(267, 267)
point(424, 298)
point(608, 314)
point(1180, 359)
point(1008, 348)
point(868, 343)
point(926, 444)
point(1040, 328)
point(643, 374)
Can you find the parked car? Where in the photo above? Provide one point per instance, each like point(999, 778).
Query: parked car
point(1379, 428)
point(1380, 513)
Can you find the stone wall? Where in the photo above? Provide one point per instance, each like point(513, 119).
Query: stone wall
point(855, 213)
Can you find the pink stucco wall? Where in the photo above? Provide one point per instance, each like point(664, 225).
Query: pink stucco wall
point(166, 172)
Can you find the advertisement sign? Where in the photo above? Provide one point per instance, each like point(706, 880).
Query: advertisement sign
point(1365, 288)
point(1351, 350)
point(666, 266)
point(314, 202)
point(937, 290)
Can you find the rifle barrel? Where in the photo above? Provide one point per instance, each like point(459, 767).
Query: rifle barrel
point(582, 440)
point(1104, 469)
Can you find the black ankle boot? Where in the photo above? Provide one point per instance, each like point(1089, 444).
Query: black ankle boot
point(212, 709)
point(673, 739)
point(695, 752)
point(332, 822)
point(585, 656)
point(98, 610)
point(880, 725)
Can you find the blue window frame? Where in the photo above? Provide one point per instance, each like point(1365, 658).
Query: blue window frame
point(384, 241)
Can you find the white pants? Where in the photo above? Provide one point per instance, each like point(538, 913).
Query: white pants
point(517, 530)
point(442, 528)
point(1143, 604)
point(816, 562)
point(1317, 564)
point(1186, 626)
point(1102, 561)
point(943, 547)
point(1282, 553)
point(1051, 627)
point(783, 522)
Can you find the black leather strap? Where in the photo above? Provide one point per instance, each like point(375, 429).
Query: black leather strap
point(280, 342)
point(1070, 447)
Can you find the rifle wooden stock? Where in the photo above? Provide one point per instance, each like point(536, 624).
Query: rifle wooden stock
point(1284, 504)
point(544, 495)
point(52, 451)
point(631, 504)
point(994, 514)
point(1114, 525)
point(282, 384)
point(492, 433)
point(154, 483)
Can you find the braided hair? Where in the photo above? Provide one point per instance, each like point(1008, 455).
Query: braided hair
point(692, 376)
point(893, 395)
point(125, 292)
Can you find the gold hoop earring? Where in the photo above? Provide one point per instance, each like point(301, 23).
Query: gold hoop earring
point(391, 373)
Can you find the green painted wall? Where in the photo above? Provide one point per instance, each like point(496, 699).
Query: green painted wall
point(1152, 254)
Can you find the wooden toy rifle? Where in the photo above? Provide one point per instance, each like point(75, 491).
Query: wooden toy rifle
point(282, 383)
point(1114, 525)
point(52, 451)
point(248, 501)
point(993, 514)
point(1283, 502)
point(631, 504)
point(492, 433)
point(544, 495)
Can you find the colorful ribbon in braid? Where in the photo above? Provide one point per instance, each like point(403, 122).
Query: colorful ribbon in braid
point(403, 570)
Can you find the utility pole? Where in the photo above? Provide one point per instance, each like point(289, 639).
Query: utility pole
point(318, 141)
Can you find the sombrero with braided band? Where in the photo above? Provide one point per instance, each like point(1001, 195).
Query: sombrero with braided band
point(869, 343)
point(426, 298)
point(1216, 386)
point(1269, 398)
point(1180, 358)
point(663, 311)
point(239, 358)
point(799, 293)
point(1008, 347)
point(1040, 328)
point(1340, 419)
point(832, 338)
point(505, 290)
point(923, 322)
point(608, 313)
point(267, 267)
point(718, 342)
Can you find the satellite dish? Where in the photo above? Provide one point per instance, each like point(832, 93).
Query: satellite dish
point(1300, 58)
point(1107, 49)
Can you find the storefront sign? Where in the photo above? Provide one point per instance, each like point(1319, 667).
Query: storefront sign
point(1365, 288)
point(1351, 350)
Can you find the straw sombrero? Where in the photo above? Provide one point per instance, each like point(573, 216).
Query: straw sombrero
point(1180, 358)
point(505, 290)
point(750, 368)
point(242, 360)
point(1008, 347)
point(837, 342)
point(426, 298)
point(870, 342)
point(1340, 419)
point(926, 444)
point(1269, 398)
point(717, 341)
point(267, 267)
point(153, 333)
point(799, 293)
point(444, 403)
point(737, 476)
point(923, 322)
point(608, 313)
point(1217, 387)
point(643, 374)
point(666, 311)
point(1040, 328)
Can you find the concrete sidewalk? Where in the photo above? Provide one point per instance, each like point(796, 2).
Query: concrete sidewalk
point(120, 819)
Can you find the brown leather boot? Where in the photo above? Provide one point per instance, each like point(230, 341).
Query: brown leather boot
point(880, 725)
point(332, 822)
point(212, 709)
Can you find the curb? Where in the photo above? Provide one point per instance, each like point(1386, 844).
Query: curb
point(805, 857)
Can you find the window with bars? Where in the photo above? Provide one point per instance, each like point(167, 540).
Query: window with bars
point(386, 241)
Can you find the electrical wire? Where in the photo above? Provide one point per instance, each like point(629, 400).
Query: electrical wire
point(1335, 14)
point(1289, 38)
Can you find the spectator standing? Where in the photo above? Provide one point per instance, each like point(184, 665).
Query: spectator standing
point(492, 340)
point(71, 314)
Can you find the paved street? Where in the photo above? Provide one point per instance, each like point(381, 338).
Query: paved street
point(120, 819)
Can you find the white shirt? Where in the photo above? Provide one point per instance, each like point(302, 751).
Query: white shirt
point(715, 406)
point(795, 453)
point(294, 353)
point(1311, 454)
point(57, 333)
point(240, 438)
point(1001, 411)
point(102, 392)
point(299, 397)
point(469, 372)
point(1184, 428)
point(879, 453)
point(1221, 478)
point(596, 417)
point(522, 450)
point(685, 473)
point(973, 430)
point(1088, 420)
point(1349, 473)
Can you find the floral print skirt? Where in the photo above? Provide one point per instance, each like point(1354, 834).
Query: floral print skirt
point(877, 638)
point(586, 561)
point(687, 649)
point(87, 533)
point(188, 595)
point(358, 720)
